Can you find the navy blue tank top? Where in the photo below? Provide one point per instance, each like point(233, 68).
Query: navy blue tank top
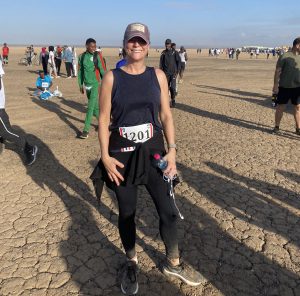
point(135, 99)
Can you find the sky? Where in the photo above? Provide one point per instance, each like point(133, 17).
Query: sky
point(192, 23)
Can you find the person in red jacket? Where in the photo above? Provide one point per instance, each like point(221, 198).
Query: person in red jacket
point(5, 53)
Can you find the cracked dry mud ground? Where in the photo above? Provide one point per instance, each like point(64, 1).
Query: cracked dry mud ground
point(240, 193)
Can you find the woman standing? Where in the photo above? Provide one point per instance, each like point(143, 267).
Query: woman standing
point(57, 58)
point(29, 55)
point(44, 56)
point(51, 62)
point(134, 109)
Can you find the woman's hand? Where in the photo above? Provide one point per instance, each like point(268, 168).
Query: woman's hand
point(111, 165)
point(171, 169)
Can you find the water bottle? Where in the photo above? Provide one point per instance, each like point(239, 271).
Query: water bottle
point(160, 162)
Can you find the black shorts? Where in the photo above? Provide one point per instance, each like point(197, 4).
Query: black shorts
point(182, 66)
point(286, 94)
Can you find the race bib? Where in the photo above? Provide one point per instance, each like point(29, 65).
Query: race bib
point(45, 84)
point(138, 133)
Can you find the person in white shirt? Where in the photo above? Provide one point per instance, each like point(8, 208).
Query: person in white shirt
point(257, 53)
point(51, 62)
point(74, 61)
point(183, 59)
point(120, 52)
point(6, 131)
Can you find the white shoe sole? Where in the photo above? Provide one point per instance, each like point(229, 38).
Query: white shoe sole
point(133, 293)
point(168, 273)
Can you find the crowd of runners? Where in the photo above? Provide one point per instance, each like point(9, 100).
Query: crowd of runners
point(253, 52)
point(132, 105)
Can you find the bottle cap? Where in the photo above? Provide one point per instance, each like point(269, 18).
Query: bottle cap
point(156, 156)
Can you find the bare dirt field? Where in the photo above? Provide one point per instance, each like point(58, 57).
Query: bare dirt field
point(240, 193)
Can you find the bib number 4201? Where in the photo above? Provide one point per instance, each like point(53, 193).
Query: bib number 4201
point(138, 134)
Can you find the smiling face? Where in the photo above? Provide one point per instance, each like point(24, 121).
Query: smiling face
point(91, 47)
point(137, 48)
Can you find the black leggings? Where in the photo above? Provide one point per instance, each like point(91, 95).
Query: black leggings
point(127, 199)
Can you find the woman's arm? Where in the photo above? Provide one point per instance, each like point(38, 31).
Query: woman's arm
point(166, 118)
point(110, 163)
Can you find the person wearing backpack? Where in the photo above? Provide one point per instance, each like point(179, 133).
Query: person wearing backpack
point(170, 64)
point(91, 69)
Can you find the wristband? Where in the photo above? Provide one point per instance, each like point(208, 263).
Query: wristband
point(172, 146)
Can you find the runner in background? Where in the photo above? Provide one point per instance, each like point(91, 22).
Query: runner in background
point(170, 64)
point(120, 52)
point(51, 62)
point(173, 46)
point(183, 58)
point(91, 68)
point(68, 59)
point(29, 55)
point(74, 61)
point(5, 53)
point(57, 58)
point(238, 52)
point(257, 53)
point(287, 85)
point(8, 134)
point(44, 57)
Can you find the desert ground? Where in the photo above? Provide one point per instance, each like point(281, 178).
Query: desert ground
point(240, 192)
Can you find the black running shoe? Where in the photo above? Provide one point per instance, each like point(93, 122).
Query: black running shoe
point(185, 273)
point(275, 130)
point(173, 104)
point(298, 131)
point(129, 284)
point(84, 135)
point(30, 154)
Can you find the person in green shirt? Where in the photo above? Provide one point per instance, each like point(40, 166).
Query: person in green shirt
point(287, 84)
point(90, 72)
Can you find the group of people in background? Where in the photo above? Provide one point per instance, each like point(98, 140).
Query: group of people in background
point(52, 58)
point(232, 52)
